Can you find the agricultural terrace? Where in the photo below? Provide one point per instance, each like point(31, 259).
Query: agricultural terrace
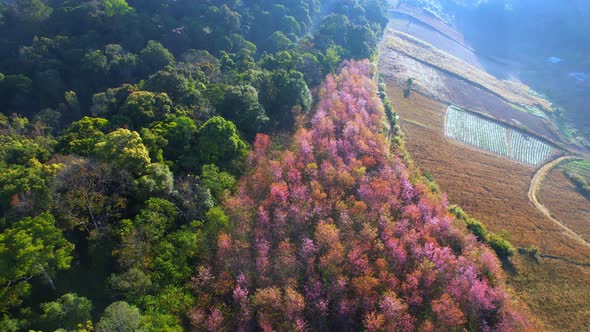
point(578, 167)
point(468, 128)
point(512, 92)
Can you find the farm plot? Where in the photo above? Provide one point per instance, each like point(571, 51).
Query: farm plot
point(578, 167)
point(468, 128)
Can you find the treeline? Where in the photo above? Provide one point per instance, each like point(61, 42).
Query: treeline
point(124, 126)
point(50, 48)
point(499, 242)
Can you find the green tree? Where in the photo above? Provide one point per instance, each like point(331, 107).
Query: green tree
point(158, 180)
point(116, 7)
point(66, 313)
point(155, 321)
point(18, 150)
point(240, 105)
point(125, 149)
point(32, 11)
point(154, 142)
point(220, 183)
point(291, 92)
point(81, 137)
point(95, 63)
point(15, 93)
point(156, 218)
point(132, 284)
point(184, 85)
point(155, 57)
point(138, 237)
point(180, 135)
point(215, 221)
point(174, 259)
point(107, 104)
point(120, 317)
point(142, 108)
point(29, 248)
point(24, 188)
point(331, 59)
point(278, 42)
point(219, 143)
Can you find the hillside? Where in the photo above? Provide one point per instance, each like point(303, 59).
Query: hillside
point(280, 165)
point(462, 134)
point(125, 125)
point(331, 234)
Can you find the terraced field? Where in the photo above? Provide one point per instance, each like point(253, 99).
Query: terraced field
point(579, 167)
point(491, 136)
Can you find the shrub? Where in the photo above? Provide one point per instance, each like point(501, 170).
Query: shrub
point(501, 246)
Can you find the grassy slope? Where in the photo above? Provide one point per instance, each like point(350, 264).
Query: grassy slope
point(494, 190)
point(512, 92)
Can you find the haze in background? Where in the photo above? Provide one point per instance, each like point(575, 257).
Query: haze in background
point(545, 43)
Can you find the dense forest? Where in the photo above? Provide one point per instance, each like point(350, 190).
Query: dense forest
point(140, 189)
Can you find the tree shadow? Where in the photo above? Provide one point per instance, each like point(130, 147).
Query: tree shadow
point(407, 92)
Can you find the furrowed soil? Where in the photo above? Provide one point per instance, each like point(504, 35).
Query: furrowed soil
point(567, 205)
point(398, 67)
point(494, 190)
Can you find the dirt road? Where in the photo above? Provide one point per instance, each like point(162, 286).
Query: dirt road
point(536, 187)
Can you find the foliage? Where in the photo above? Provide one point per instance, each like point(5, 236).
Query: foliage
point(158, 180)
point(30, 248)
point(116, 7)
point(580, 182)
point(120, 316)
point(81, 137)
point(220, 183)
point(240, 105)
point(332, 230)
point(142, 97)
point(91, 196)
point(219, 143)
point(155, 56)
point(498, 242)
point(24, 188)
point(65, 313)
point(142, 108)
point(125, 149)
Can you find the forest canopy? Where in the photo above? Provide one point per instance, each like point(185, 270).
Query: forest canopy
point(125, 126)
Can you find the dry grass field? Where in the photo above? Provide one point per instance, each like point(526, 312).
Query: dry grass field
point(559, 195)
point(513, 92)
point(451, 89)
point(494, 190)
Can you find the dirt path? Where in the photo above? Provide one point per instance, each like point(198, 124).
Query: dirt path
point(536, 187)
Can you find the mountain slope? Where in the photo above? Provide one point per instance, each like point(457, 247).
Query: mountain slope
point(332, 234)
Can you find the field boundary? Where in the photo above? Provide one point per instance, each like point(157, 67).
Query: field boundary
point(509, 91)
point(536, 183)
point(566, 260)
